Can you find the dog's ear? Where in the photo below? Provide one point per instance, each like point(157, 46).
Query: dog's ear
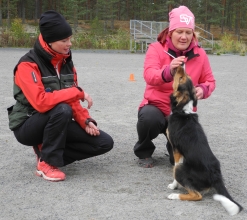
point(194, 98)
point(192, 92)
point(195, 102)
point(173, 102)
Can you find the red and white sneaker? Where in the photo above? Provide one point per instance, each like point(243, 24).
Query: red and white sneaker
point(49, 172)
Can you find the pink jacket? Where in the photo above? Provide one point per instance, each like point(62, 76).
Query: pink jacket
point(159, 84)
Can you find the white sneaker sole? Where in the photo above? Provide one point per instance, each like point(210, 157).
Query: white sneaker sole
point(41, 174)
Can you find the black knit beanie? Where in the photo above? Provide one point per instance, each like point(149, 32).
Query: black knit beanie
point(54, 27)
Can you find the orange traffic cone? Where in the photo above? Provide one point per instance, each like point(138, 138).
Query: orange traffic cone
point(132, 78)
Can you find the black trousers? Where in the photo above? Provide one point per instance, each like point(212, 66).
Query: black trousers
point(63, 140)
point(151, 122)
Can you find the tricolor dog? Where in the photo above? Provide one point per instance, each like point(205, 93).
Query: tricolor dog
point(196, 167)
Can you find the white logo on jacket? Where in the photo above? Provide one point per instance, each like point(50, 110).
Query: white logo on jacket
point(186, 18)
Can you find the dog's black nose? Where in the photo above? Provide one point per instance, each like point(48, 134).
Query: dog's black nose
point(182, 64)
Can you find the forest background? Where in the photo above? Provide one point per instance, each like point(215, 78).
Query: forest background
point(101, 24)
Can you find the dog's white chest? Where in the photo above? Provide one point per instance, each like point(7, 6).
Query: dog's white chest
point(188, 108)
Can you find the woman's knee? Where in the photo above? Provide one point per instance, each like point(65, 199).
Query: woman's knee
point(109, 143)
point(150, 116)
point(63, 110)
point(106, 141)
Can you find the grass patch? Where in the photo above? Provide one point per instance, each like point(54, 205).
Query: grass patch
point(228, 44)
point(95, 35)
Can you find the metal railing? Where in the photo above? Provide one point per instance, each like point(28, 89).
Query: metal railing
point(145, 32)
point(206, 42)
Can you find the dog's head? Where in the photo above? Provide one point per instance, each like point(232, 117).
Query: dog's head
point(183, 90)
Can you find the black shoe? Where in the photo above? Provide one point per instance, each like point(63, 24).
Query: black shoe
point(146, 162)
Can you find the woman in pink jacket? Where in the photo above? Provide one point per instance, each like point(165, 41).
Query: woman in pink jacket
point(175, 45)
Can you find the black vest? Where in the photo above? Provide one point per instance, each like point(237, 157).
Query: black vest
point(22, 110)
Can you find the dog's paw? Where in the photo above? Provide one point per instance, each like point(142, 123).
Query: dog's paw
point(173, 196)
point(173, 185)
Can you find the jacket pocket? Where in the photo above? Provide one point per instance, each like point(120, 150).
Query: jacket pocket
point(17, 114)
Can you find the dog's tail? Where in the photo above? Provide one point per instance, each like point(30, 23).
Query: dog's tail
point(231, 206)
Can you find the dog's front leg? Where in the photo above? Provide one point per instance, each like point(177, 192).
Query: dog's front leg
point(173, 185)
point(178, 160)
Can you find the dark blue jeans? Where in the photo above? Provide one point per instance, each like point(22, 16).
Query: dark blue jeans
point(63, 140)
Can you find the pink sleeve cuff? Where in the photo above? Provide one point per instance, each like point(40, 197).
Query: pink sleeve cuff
point(166, 74)
point(204, 88)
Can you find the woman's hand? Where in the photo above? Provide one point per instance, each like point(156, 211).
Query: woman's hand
point(199, 92)
point(92, 129)
point(175, 63)
point(88, 99)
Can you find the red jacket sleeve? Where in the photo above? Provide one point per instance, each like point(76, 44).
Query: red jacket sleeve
point(80, 114)
point(35, 92)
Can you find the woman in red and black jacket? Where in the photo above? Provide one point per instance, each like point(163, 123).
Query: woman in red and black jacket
point(47, 113)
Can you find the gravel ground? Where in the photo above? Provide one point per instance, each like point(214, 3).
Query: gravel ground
point(112, 186)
